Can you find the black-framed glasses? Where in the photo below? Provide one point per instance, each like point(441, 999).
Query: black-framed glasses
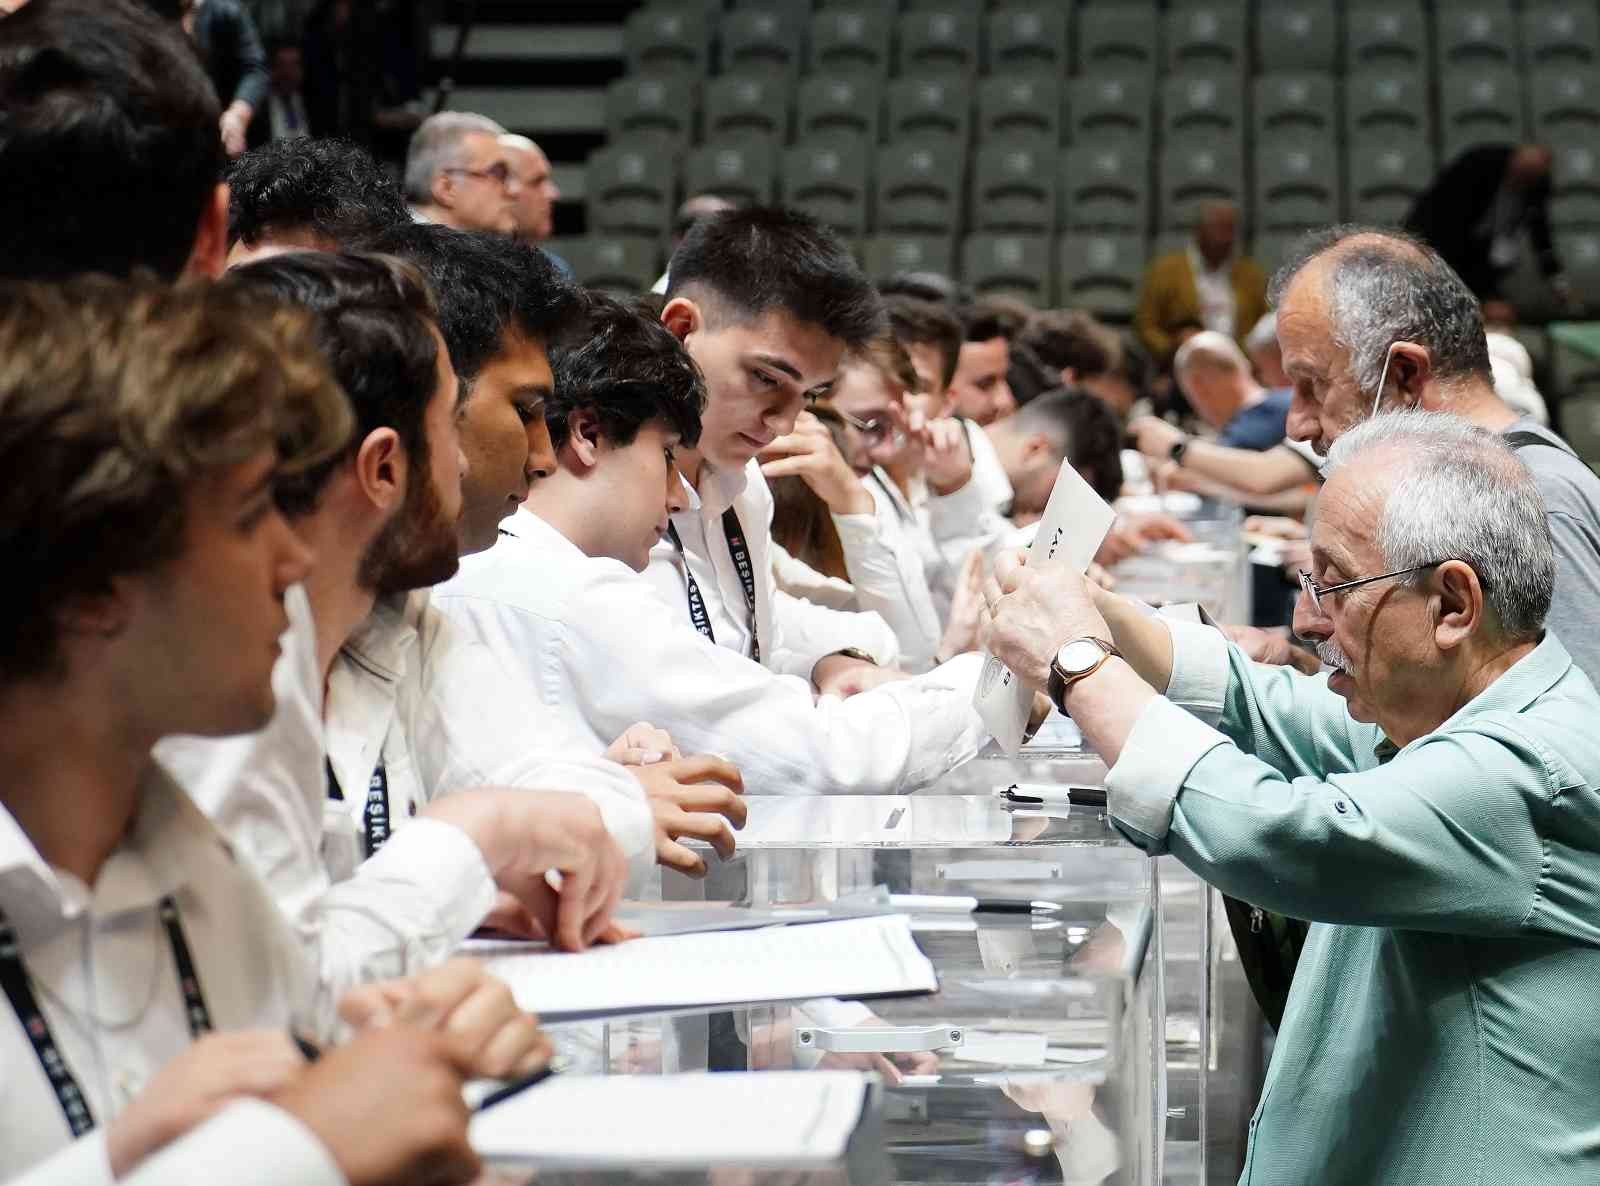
point(1317, 591)
point(499, 173)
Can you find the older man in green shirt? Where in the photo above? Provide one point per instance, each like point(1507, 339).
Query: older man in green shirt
point(1432, 805)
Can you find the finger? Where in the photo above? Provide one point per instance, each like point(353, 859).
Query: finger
point(785, 466)
point(991, 595)
point(615, 932)
point(673, 855)
point(712, 797)
point(514, 1046)
point(786, 446)
point(638, 756)
point(572, 911)
point(708, 768)
point(1008, 567)
point(438, 992)
point(709, 828)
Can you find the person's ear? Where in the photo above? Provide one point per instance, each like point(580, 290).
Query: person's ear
point(1459, 600)
point(104, 614)
point(442, 189)
point(583, 437)
point(1410, 370)
point(682, 317)
point(209, 255)
point(1039, 448)
point(381, 470)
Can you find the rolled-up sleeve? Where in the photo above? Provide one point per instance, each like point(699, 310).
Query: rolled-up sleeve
point(1164, 746)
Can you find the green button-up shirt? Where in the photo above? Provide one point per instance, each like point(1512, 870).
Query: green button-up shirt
point(1444, 1024)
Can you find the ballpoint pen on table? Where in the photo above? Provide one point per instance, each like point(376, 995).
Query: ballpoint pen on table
point(1037, 795)
point(957, 904)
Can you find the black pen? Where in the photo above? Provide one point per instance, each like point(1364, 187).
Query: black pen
point(515, 1087)
point(307, 1048)
point(956, 904)
point(1077, 796)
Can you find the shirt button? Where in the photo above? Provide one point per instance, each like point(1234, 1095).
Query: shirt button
point(1338, 805)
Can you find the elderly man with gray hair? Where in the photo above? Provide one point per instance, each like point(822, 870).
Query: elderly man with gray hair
point(1372, 319)
point(460, 173)
point(1432, 806)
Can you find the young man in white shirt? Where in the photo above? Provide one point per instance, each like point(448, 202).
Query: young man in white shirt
point(767, 302)
point(561, 596)
point(144, 428)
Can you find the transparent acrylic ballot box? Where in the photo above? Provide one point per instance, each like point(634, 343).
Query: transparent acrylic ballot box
point(1038, 1058)
point(1212, 569)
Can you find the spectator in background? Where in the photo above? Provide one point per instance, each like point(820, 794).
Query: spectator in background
point(1261, 344)
point(533, 209)
point(931, 336)
point(230, 48)
point(1027, 376)
point(285, 117)
point(1060, 426)
point(1083, 353)
point(1206, 285)
point(1476, 213)
point(980, 390)
point(1215, 377)
point(317, 195)
point(927, 286)
point(692, 211)
point(459, 173)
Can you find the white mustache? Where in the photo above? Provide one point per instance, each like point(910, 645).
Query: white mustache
point(1333, 656)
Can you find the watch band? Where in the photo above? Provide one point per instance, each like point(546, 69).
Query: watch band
point(1060, 679)
point(855, 653)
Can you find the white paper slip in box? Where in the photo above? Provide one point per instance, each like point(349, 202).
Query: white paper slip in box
point(768, 1119)
point(1074, 525)
point(856, 957)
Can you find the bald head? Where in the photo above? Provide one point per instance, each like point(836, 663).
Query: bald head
point(1215, 376)
point(1217, 232)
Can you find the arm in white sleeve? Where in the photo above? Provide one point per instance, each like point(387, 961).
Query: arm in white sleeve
point(890, 580)
point(799, 579)
point(965, 521)
point(807, 632)
point(894, 738)
point(82, 1163)
point(248, 1143)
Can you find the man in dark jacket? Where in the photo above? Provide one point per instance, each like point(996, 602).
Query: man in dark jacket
point(1474, 215)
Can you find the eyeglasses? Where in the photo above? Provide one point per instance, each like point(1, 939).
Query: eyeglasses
point(499, 173)
point(1317, 592)
point(877, 428)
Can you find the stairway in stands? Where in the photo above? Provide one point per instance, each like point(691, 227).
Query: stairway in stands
point(540, 67)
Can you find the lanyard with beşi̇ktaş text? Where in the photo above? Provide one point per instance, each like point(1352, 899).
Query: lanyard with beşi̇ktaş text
point(18, 989)
point(375, 815)
point(740, 551)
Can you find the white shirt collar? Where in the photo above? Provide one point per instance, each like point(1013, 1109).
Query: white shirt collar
point(719, 489)
point(529, 527)
point(384, 641)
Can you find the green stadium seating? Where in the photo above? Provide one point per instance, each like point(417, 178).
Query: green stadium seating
point(743, 171)
point(1560, 34)
point(1100, 273)
point(930, 105)
point(1472, 33)
point(617, 264)
point(1482, 105)
point(1197, 171)
point(1032, 40)
point(761, 38)
point(828, 180)
point(1118, 38)
point(1204, 104)
point(1386, 36)
point(1020, 104)
point(667, 40)
point(1205, 37)
point(1105, 186)
point(1008, 265)
point(1294, 105)
point(919, 185)
point(631, 187)
point(883, 256)
point(1296, 35)
point(1575, 185)
point(1385, 177)
point(842, 103)
point(1298, 183)
point(1386, 103)
point(1111, 105)
point(749, 105)
point(651, 106)
point(1014, 185)
point(849, 39)
point(1564, 104)
point(943, 39)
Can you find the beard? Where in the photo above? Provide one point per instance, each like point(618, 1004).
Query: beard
point(1332, 655)
point(415, 549)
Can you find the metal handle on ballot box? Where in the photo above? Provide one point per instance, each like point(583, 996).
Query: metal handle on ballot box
point(878, 1039)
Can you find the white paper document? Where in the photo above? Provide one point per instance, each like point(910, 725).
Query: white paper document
point(856, 957)
point(776, 1119)
point(1074, 525)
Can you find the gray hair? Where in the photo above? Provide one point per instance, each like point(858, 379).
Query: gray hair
point(1463, 494)
point(1210, 348)
point(1384, 286)
point(1263, 334)
point(436, 145)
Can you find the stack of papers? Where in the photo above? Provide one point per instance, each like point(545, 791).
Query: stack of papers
point(857, 957)
point(770, 1119)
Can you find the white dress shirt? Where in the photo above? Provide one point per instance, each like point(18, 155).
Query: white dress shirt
point(793, 633)
point(104, 976)
point(286, 115)
point(596, 640)
point(1214, 287)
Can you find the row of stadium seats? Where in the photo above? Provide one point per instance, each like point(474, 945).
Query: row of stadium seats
point(671, 36)
point(923, 185)
point(1096, 272)
point(1558, 105)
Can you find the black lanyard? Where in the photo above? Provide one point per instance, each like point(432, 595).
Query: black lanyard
point(375, 816)
point(733, 530)
point(896, 499)
point(14, 979)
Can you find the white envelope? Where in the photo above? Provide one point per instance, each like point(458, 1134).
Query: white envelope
point(1074, 525)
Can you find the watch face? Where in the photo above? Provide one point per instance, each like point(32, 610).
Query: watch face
point(1078, 656)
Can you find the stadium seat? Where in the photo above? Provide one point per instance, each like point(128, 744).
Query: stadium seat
point(630, 187)
point(840, 103)
point(1298, 183)
point(1579, 253)
point(1202, 103)
point(1032, 40)
point(850, 39)
point(1472, 33)
point(1014, 185)
point(761, 38)
point(1384, 178)
point(1293, 104)
point(1105, 187)
point(667, 40)
point(1575, 185)
point(743, 171)
point(938, 40)
point(1008, 265)
point(1110, 105)
point(1100, 273)
point(1564, 104)
point(1387, 103)
point(1479, 106)
point(1559, 34)
point(749, 105)
point(1020, 104)
point(828, 180)
point(1117, 38)
point(1385, 35)
point(1296, 35)
point(919, 186)
point(617, 264)
point(1197, 171)
point(972, 8)
point(1580, 420)
point(938, 105)
point(1205, 37)
point(883, 256)
point(650, 106)
point(795, 10)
